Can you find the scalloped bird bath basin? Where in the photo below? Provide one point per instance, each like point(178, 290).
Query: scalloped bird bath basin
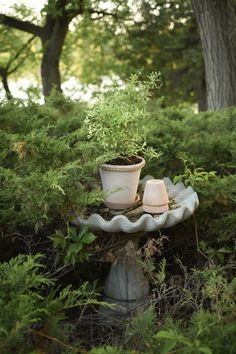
point(186, 198)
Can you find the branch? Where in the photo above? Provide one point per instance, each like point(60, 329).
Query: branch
point(21, 25)
point(16, 56)
point(3, 74)
point(73, 12)
point(101, 13)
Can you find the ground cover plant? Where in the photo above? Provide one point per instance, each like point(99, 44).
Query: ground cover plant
point(49, 169)
point(33, 308)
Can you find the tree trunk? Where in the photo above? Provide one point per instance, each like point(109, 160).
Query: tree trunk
point(3, 73)
point(52, 41)
point(6, 88)
point(217, 24)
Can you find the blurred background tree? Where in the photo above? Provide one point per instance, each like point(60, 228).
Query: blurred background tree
point(17, 54)
point(53, 27)
point(160, 35)
point(93, 40)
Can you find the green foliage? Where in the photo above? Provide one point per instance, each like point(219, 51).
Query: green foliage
point(207, 333)
point(216, 255)
point(210, 328)
point(194, 176)
point(156, 275)
point(141, 329)
point(160, 274)
point(175, 340)
point(28, 304)
point(49, 171)
point(94, 34)
point(45, 172)
point(206, 138)
point(72, 247)
point(200, 150)
point(218, 289)
point(199, 334)
point(114, 120)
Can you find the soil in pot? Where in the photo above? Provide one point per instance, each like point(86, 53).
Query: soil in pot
point(124, 161)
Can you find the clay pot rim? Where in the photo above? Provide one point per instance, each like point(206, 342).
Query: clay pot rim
point(156, 205)
point(124, 168)
point(155, 209)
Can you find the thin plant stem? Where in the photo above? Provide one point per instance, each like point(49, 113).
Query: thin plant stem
point(58, 341)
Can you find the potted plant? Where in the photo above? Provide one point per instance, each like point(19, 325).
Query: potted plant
point(116, 127)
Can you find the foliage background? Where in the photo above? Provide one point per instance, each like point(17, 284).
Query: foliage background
point(49, 169)
point(45, 158)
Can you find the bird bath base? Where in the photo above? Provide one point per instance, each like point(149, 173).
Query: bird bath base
point(126, 286)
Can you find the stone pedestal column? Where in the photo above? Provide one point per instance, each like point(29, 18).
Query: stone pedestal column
point(126, 286)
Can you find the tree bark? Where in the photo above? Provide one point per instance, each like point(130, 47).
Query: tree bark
point(217, 24)
point(52, 42)
point(202, 91)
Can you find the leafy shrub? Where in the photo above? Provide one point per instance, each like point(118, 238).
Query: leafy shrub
point(45, 173)
point(210, 328)
point(207, 333)
point(32, 306)
point(49, 169)
point(206, 138)
point(72, 246)
point(141, 329)
point(196, 148)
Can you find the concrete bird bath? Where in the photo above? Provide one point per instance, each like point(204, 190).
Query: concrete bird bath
point(126, 285)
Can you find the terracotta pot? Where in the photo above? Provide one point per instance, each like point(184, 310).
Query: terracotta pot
point(155, 197)
point(120, 182)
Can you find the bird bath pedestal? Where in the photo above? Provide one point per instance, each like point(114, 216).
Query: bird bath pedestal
point(126, 285)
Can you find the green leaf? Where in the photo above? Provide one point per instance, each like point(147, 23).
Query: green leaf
point(171, 334)
point(58, 241)
point(88, 238)
point(205, 350)
point(169, 345)
point(72, 251)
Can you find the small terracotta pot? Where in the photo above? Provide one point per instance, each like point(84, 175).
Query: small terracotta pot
point(155, 197)
point(120, 182)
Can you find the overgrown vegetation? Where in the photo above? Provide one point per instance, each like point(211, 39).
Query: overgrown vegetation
point(49, 170)
point(33, 308)
point(191, 141)
point(45, 172)
point(207, 294)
